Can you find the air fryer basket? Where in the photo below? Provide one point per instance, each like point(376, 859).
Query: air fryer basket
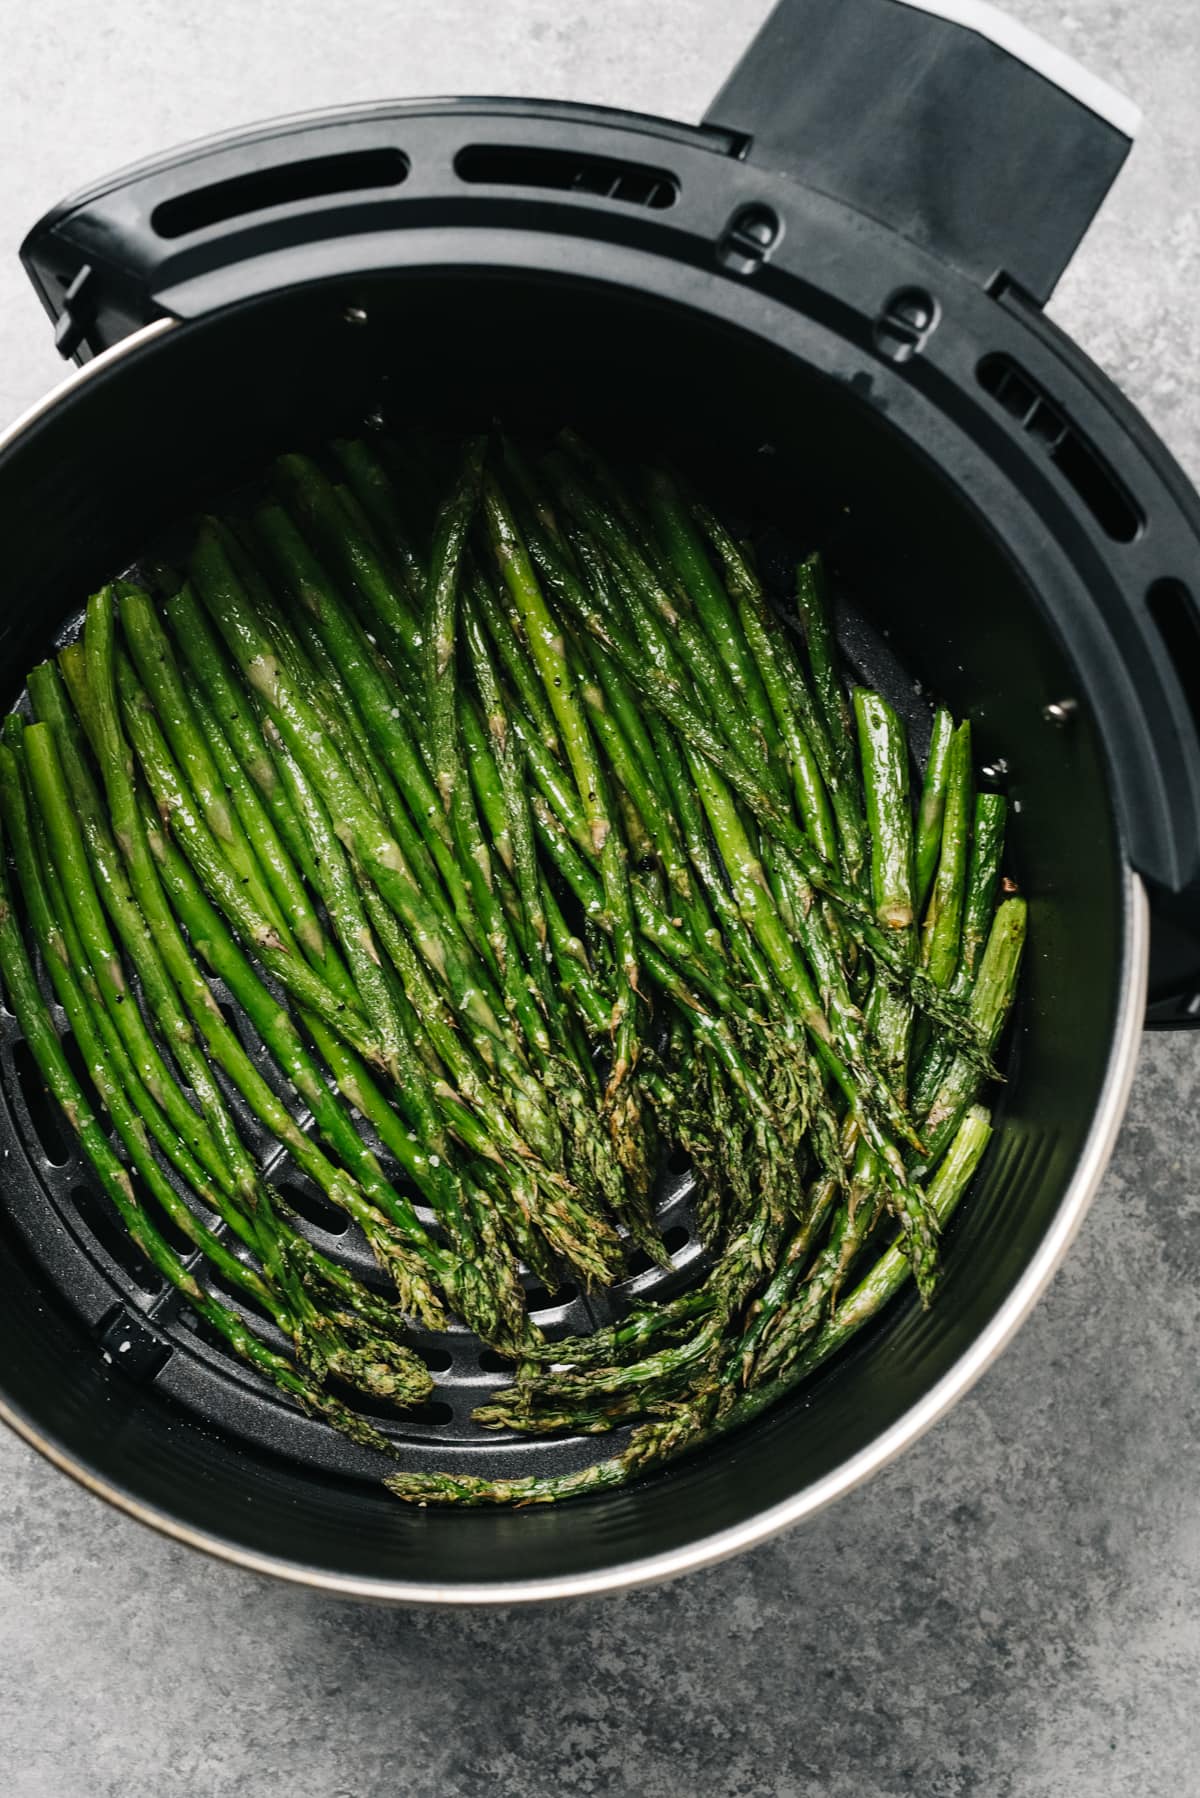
point(934, 608)
point(839, 335)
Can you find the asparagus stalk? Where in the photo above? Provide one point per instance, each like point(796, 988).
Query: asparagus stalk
point(991, 1001)
point(941, 930)
point(933, 800)
point(983, 878)
point(277, 775)
point(822, 753)
point(154, 658)
point(230, 703)
point(173, 802)
point(659, 1441)
point(38, 1029)
point(686, 552)
point(884, 755)
point(812, 599)
point(548, 652)
point(517, 823)
point(679, 641)
point(318, 1271)
point(669, 697)
point(148, 855)
point(214, 942)
point(210, 1135)
point(371, 844)
point(450, 532)
point(364, 704)
point(891, 1271)
point(380, 1366)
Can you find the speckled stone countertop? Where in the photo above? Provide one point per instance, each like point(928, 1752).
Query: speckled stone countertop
point(1013, 1609)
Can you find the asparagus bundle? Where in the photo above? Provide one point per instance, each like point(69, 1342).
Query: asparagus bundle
point(534, 848)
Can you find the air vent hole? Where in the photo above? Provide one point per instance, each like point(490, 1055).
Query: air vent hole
point(315, 178)
point(525, 165)
point(312, 1205)
point(673, 1239)
point(98, 1213)
point(45, 1115)
point(1093, 480)
point(1177, 616)
point(537, 1298)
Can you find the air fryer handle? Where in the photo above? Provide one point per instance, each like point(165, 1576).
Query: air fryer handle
point(966, 133)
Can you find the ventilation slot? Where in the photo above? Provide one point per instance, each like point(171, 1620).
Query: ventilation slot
point(288, 185)
point(1091, 477)
point(385, 1410)
point(315, 1209)
point(537, 1298)
point(80, 1069)
point(432, 1412)
point(1177, 616)
point(674, 1239)
point(515, 165)
point(49, 1125)
point(240, 1300)
point(173, 1234)
point(98, 1212)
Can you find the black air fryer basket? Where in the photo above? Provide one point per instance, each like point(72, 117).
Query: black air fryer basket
point(829, 295)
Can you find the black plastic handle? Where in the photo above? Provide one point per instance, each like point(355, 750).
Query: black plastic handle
point(930, 125)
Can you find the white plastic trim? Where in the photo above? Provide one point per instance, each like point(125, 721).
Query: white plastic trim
point(1008, 34)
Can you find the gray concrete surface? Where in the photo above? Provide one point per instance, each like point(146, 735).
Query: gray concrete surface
point(1009, 1612)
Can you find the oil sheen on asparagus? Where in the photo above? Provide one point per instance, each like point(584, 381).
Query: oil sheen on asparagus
point(535, 846)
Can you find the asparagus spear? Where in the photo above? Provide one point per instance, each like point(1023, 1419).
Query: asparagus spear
point(822, 751)
point(548, 652)
point(679, 643)
point(171, 797)
point(229, 701)
point(380, 1366)
point(812, 599)
point(891, 1271)
point(374, 849)
point(324, 1275)
point(933, 799)
point(667, 694)
point(450, 532)
point(211, 1135)
point(659, 1441)
point(154, 658)
point(148, 854)
point(983, 876)
point(370, 701)
point(991, 1000)
point(331, 872)
point(884, 756)
point(686, 552)
point(941, 929)
point(38, 1029)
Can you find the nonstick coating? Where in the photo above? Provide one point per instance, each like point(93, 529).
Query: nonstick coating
point(932, 608)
